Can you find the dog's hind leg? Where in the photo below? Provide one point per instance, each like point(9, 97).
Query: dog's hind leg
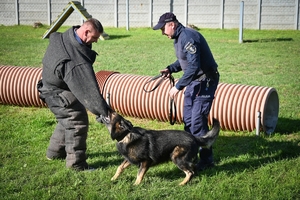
point(188, 176)
point(187, 167)
point(182, 158)
point(120, 169)
point(144, 166)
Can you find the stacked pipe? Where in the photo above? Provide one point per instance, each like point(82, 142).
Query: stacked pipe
point(235, 105)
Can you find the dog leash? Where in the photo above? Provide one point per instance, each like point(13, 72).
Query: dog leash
point(172, 102)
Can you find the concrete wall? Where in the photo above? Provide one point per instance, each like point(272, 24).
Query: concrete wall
point(258, 14)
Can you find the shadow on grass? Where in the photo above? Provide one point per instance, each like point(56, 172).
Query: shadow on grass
point(114, 37)
point(232, 154)
point(106, 163)
point(287, 125)
point(242, 153)
point(253, 152)
point(268, 40)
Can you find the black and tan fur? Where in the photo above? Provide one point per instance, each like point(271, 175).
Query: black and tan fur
point(146, 148)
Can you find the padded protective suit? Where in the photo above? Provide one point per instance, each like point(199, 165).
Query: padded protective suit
point(69, 87)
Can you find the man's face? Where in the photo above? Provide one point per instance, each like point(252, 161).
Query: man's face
point(168, 29)
point(91, 35)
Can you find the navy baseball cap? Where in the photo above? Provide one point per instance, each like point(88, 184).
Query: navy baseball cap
point(167, 17)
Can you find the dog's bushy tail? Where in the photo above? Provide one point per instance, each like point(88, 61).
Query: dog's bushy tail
point(207, 140)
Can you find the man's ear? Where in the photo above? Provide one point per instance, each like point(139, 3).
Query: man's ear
point(86, 32)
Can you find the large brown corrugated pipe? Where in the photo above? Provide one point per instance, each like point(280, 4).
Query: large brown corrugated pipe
point(235, 105)
point(128, 97)
point(18, 86)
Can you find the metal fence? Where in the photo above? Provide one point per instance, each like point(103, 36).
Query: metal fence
point(223, 14)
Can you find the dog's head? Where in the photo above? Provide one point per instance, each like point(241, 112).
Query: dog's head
point(117, 126)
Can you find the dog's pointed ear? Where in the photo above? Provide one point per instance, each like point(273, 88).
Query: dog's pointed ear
point(125, 124)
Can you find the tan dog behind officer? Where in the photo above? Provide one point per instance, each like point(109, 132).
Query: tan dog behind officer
point(146, 148)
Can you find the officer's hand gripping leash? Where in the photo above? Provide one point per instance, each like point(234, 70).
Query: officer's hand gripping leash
point(172, 103)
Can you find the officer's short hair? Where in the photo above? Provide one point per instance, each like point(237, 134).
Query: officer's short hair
point(96, 24)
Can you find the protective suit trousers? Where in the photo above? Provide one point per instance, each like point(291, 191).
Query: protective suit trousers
point(69, 137)
point(198, 100)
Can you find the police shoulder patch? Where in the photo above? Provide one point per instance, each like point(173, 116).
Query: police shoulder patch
point(190, 48)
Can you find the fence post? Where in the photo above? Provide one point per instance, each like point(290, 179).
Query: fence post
point(222, 14)
point(17, 12)
point(297, 15)
point(49, 11)
point(116, 13)
point(241, 22)
point(258, 123)
point(150, 13)
point(81, 19)
point(186, 12)
point(259, 15)
point(127, 15)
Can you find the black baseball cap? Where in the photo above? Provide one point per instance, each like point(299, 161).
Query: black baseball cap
point(167, 17)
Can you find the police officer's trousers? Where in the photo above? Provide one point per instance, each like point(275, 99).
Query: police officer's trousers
point(198, 98)
point(69, 137)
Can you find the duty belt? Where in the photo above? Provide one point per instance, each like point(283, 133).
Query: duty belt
point(210, 75)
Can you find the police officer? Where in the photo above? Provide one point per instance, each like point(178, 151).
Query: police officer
point(69, 87)
point(200, 78)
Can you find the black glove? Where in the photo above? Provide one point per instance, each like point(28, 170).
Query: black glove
point(103, 120)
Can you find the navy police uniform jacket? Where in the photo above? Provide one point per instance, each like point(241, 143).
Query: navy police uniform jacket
point(193, 54)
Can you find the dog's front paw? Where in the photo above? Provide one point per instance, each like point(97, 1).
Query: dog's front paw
point(137, 182)
point(115, 177)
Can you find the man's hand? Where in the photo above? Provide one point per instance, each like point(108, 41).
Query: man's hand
point(165, 72)
point(173, 92)
point(102, 119)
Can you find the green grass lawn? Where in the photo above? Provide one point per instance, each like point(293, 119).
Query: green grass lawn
point(247, 166)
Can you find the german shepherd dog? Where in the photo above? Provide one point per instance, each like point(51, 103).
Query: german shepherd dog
point(146, 148)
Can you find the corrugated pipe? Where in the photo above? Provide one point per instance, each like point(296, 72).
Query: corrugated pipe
point(18, 86)
point(235, 105)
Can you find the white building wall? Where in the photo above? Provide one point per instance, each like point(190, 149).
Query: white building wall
point(258, 14)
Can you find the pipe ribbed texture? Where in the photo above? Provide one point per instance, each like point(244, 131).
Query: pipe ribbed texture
point(235, 105)
point(18, 86)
